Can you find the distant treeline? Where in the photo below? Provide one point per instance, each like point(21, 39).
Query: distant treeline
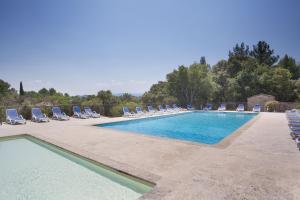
point(246, 72)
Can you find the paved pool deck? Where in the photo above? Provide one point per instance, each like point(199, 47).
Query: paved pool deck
point(260, 161)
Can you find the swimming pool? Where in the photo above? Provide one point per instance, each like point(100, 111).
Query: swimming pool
point(202, 127)
point(35, 170)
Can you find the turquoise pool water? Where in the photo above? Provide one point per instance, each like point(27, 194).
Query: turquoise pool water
point(202, 127)
point(33, 170)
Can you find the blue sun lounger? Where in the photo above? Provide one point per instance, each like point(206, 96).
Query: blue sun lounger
point(127, 113)
point(58, 115)
point(256, 108)
point(78, 114)
point(240, 108)
point(38, 116)
point(12, 117)
point(208, 107)
point(88, 111)
point(222, 107)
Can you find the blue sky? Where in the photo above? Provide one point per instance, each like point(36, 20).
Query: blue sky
point(83, 46)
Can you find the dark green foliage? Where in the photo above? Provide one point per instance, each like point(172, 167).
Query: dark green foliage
point(290, 64)
point(21, 89)
point(264, 54)
point(239, 52)
point(203, 60)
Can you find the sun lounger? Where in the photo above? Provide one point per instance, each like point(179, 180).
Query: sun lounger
point(256, 108)
point(240, 108)
point(222, 107)
point(169, 109)
point(127, 113)
point(58, 115)
point(208, 107)
point(78, 114)
point(161, 109)
point(139, 111)
point(88, 111)
point(177, 109)
point(38, 116)
point(151, 110)
point(190, 107)
point(12, 117)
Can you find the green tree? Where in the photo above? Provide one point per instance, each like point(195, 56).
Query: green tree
point(264, 54)
point(4, 87)
point(108, 101)
point(239, 52)
point(290, 64)
point(52, 91)
point(43, 92)
point(192, 85)
point(21, 89)
point(202, 60)
point(283, 88)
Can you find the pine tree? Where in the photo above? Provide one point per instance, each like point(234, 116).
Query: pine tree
point(21, 89)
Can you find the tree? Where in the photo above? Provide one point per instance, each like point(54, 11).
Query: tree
point(289, 63)
point(202, 60)
point(283, 88)
point(108, 101)
point(239, 52)
point(191, 85)
point(21, 89)
point(4, 87)
point(43, 92)
point(264, 54)
point(52, 91)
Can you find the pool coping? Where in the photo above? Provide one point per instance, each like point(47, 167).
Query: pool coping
point(224, 143)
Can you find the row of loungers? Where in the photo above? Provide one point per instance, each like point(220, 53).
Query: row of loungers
point(12, 116)
point(151, 111)
point(240, 107)
point(293, 117)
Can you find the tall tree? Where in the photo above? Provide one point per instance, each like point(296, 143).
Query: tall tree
point(239, 52)
point(289, 63)
point(21, 89)
point(264, 54)
point(203, 60)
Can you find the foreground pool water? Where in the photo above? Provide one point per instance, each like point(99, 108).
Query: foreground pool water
point(202, 127)
point(34, 170)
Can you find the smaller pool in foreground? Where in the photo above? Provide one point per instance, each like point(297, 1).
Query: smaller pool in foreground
point(34, 170)
point(202, 127)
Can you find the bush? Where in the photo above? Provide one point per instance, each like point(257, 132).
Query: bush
point(272, 106)
point(117, 111)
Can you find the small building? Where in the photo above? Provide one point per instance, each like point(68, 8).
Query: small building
point(259, 99)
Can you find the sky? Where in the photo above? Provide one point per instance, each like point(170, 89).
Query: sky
point(83, 46)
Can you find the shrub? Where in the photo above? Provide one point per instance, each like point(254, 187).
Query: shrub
point(272, 106)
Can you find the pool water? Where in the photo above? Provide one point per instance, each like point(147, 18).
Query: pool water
point(202, 127)
point(33, 170)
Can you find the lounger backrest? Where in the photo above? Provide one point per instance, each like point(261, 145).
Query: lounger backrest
point(241, 106)
point(150, 108)
point(76, 109)
point(222, 105)
point(209, 106)
point(56, 110)
point(125, 110)
point(160, 107)
point(168, 107)
point(88, 110)
point(174, 106)
point(138, 109)
point(12, 113)
point(37, 112)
